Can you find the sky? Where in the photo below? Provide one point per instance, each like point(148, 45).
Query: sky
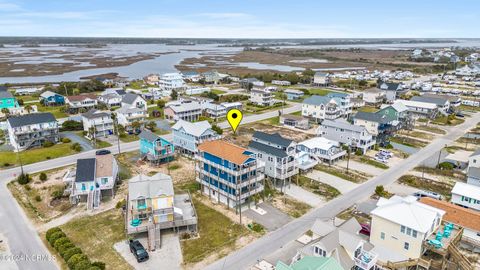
point(242, 18)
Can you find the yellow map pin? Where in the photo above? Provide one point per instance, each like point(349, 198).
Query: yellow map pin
point(234, 117)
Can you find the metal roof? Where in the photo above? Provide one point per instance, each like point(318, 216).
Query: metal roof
point(85, 170)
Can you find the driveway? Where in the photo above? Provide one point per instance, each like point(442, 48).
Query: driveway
point(86, 145)
point(169, 256)
point(303, 195)
point(342, 185)
point(270, 217)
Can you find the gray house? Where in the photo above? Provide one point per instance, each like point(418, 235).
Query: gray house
point(32, 130)
point(277, 152)
point(392, 90)
point(340, 130)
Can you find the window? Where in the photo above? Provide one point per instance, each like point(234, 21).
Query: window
point(382, 235)
point(409, 231)
point(104, 180)
point(141, 204)
point(402, 229)
point(414, 233)
point(406, 246)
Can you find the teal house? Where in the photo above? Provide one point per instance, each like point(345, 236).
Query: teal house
point(7, 100)
point(154, 148)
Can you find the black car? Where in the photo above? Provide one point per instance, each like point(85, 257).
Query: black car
point(102, 152)
point(138, 251)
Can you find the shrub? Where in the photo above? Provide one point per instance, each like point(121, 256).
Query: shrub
point(63, 248)
point(23, 179)
point(76, 147)
point(6, 164)
point(75, 259)
point(358, 152)
point(60, 241)
point(217, 129)
point(70, 252)
point(43, 176)
point(66, 140)
point(54, 237)
point(83, 265)
point(58, 193)
point(47, 144)
point(120, 204)
point(94, 268)
point(389, 146)
point(28, 187)
point(379, 190)
point(38, 198)
point(100, 265)
point(51, 231)
point(445, 166)
point(71, 125)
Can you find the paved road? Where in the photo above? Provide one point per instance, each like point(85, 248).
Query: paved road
point(248, 255)
point(23, 239)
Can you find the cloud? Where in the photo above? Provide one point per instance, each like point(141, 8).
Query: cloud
point(7, 6)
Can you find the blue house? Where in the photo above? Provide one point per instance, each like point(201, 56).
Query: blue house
point(293, 94)
point(228, 173)
point(154, 148)
point(49, 98)
point(187, 135)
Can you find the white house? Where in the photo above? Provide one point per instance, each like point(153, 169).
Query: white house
point(187, 136)
point(84, 101)
point(111, 100)
point(340, 130)
point(134, 101)
point(172, 81)
point(321, 79)
point(127, 116)
point(100, 121)
point(322, 149)
point(374, 97)
point(261, 97)
point(322, 107)
point(197, 90)
point(418, 109)
point(183, 110)
point(466, 195)
point(27, 90)
point(31, 130)
point(399, 227)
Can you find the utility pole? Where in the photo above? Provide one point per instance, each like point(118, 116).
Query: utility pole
point(19, 159)
point(348, 157)
point(439, 155)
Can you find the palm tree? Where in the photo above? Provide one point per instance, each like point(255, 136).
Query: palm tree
point(6, 112)
point(115, 129)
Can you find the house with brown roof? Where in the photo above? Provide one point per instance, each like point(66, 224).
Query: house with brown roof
point(228, 173)
point(81, 102)
point(92, 179)
point(463, 217)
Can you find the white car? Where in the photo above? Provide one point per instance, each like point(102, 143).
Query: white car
point(380, 159)
point(386, 153)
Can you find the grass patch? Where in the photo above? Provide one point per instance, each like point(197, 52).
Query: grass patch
point(128, 138)
point(319, 91)
point(319, 188)
point(469, 108)
point(36, 155)
point(469, 140)
point(95, 235)
point(216, 232)
point(55, 110)
point(449, 120)
point(367, 109)
point(102, 144)
point(431, 129)
point(352, 177)
point(426, 184)
point(435, 171)
point(217, 91)
point(408, 141)
point(372, 162)
point(417, 134)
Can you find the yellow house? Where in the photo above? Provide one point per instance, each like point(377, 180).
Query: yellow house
point(399, 227)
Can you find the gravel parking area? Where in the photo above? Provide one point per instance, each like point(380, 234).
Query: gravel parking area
point(169, 256)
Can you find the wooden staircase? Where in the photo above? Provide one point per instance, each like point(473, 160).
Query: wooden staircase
point(459, 258)
point(408, 263)
point(154, 237)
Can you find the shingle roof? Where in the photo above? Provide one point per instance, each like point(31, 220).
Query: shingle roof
point(91, 114)
point(30, 119)
point(260, 147)
point(317, 100)
point(391, 86)
point(81, 97)
point(434, 100)
point(148, 135)
point(85, 170)
point(464, 217)
point(225, 150)
point(3, 88)
point(196, 129)
point(274, 138)
point(150, 186)
point(5, 94)
point(341, 123)
point(372, 117)
point(129, 98)
point(104, 165)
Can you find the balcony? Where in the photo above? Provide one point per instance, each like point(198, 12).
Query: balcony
point(233, 172)
point(241, 183)
point(365, 259)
